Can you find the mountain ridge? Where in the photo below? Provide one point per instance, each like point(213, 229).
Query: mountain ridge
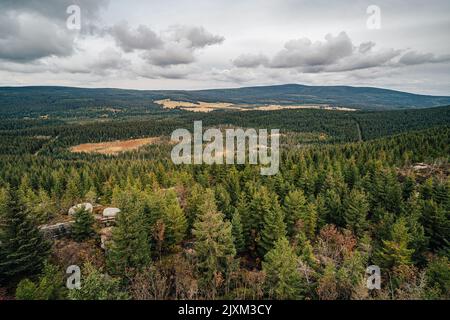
point(365, 98)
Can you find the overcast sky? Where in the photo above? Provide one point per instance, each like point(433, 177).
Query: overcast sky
point(181, 44)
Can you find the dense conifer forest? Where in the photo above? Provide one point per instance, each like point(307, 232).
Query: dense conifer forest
point(354, 189)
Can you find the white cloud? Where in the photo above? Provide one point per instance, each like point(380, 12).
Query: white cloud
point(141, 38)
point(26, 37)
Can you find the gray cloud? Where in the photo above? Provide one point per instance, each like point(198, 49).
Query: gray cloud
point(54, 9)
point(366, 46)
point(335, 54)
point(250, 60)
point(175, 46)
point(26, 37)
point(413, 58)
point(141, 38)
point(171, 54)
point(195, 37)
point(303, 52)
point(32, 29)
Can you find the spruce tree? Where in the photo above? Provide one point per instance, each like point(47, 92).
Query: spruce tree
point(130, 245)
point(23, 248)
point(237, 231)
point(395, 251)
point(174, 220)
point(48, 287)
point(273, 229)
point(98, 286)
point(193, 203)
point(83, 226)
point(333, 208)
point(282, 277)
point(265, 222)
point(294, 210)
point(214, 247)
point(356, 208)
point(436, 221)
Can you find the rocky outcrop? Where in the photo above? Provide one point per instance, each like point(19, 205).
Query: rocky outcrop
point(86, 206)
point(56, 231)
point(110, 212)
point(105, 237)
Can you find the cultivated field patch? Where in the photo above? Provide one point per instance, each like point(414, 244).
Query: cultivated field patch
point(114, 147)
point(210, 106)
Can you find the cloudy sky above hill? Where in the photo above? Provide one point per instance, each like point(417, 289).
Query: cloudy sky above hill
point(181, 44)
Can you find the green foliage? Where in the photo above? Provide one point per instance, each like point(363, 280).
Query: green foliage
point(294, 210)
point(49, 286)
point(273, 228)
point(438, 278)
point(98, 286)
point(83, 226)
point(130, 245)
point(395, 251)
point(399, 214)
point(214, 247)
point(282, 277)
point(356, 208)
point(436, 221)
point(237, 231)
point(23, 248)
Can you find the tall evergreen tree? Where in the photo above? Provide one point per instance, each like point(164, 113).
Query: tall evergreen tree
point(175, 220)
point(282, 278)
point(98, 286)
point(436, 221)
point(237, 231)
point(130, 245)
point(395, 251)
point(23, 248)
point(356, 208)
point(273, 229)
point(294, 210)
point(83, 226)
point(214, 247)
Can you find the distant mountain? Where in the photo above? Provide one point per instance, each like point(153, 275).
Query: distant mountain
point(346, 96)
point(54, 98)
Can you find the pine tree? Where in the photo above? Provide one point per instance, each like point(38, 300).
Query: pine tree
point(237, 232)
point(282, 277)
point(273, 229)
point(175, 221)
point(265, 222)
point(333, 208)
point(310, 220)
point(223, 200)
point(294, 210)
point(72, 194)
point(48, 287)
point(356, 208)
point(193, 203)
point(4, 203)
point(214, 248)
point(98, 286)
point(436, 221)
point(395, 251)
point(83, 226)
point(130, 245)
point(23, 248)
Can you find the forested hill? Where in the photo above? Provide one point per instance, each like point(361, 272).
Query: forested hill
point(16, 99)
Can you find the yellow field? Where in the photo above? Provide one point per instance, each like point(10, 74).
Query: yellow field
point(210, 106)
point(114, 147)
